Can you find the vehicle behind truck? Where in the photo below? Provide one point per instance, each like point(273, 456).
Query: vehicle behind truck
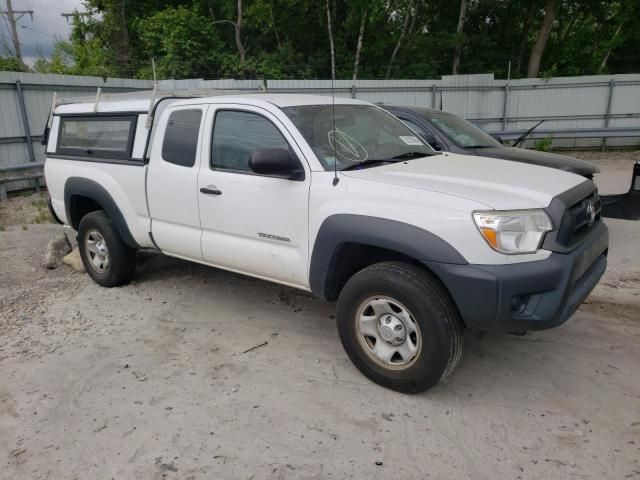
point(445, 131)
point(332, 196)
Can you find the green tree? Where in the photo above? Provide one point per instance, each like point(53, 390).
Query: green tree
point(183, 43)
point(371, 38)
point(12, 64)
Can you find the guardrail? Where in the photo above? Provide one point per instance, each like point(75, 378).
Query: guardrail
point(32, 172)
point(611, 132)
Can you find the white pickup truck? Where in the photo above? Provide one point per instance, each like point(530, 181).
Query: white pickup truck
point(336, 197)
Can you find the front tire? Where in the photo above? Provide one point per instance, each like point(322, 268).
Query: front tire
point(399, 326)
point(107, 259)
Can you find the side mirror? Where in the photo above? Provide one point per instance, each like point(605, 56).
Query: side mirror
point(497, 138)
point(432, 141)
point(276, 162)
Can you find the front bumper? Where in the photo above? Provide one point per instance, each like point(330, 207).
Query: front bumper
point(526, 296)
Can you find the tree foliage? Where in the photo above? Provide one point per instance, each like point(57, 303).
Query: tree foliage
point(11, 64)
point(400, 38)
point(181, 41)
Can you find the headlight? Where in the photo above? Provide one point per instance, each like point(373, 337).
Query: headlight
point(515, 231)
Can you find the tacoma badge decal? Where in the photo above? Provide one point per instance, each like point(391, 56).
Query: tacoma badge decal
point(274, 237)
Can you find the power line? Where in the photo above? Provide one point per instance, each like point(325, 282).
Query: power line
point(39, 31)
point(38, 6)
point(22, 44)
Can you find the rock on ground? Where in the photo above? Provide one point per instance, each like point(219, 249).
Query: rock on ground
point(57, 248)
point(74, 261)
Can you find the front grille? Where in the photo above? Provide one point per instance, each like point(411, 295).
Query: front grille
point(585, 214)
point(571, 213)
point(579, 219)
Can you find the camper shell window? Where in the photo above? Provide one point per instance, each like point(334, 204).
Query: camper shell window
point(97, 136)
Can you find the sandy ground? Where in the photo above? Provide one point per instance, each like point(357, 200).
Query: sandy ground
point(149, 381)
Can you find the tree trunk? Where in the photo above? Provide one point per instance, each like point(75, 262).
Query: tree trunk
point(525, 36)
point(333, 52)
point(612, 43)
point(241, 50)
point(407, 17)
point(458, 50)
point(123, 56)
point(541, 42)
point(359, 47)
point(273, 22)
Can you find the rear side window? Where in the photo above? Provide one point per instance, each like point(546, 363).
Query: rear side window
point(236, 134)
point(97, 136)
point(181, 137)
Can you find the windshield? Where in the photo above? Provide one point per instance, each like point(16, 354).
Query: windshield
point(463, 133)
point(358, 133)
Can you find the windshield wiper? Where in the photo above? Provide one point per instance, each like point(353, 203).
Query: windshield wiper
point(411, 155)
point(394, 159)
point(522, 137)
point(368, 162)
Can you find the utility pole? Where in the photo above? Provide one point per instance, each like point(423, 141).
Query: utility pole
point(74, 14)
point(11, 15)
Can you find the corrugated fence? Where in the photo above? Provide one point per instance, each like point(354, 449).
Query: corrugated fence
point(579, 112)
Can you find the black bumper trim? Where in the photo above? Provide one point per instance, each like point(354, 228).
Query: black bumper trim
point(553, 288)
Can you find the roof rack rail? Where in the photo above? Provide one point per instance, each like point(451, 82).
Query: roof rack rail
point(157, 93)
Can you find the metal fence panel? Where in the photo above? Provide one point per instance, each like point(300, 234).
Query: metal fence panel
point(589, 102)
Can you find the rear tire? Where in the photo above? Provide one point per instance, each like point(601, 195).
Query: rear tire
point(399, 326)
point(107, 259)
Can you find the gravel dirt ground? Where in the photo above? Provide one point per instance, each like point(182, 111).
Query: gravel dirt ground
point(150, 381)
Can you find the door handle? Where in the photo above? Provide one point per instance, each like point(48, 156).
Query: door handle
point(210, 191)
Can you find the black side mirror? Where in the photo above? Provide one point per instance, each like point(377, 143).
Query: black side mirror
point(432, 141)
point(276, 162)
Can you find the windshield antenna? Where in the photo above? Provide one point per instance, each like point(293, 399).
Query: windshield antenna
point(333, 96)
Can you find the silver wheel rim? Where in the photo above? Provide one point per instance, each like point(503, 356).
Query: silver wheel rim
point(388, 333)
point(97, 252)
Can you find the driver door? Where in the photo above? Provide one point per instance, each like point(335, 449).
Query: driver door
point(253, 224)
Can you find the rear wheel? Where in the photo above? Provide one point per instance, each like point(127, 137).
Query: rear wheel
point(106, 258)
point(399, 326)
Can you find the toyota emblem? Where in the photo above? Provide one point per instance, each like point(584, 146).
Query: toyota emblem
point(591, 213)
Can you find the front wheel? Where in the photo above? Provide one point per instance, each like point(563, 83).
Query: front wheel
point(399, 326)
point(106, 258)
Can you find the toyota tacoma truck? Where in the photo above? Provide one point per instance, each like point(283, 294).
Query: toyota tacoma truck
point(336, 197)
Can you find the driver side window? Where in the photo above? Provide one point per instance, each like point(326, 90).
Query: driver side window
point(236, 134)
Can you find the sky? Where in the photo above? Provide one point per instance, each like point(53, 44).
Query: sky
point(37, 36)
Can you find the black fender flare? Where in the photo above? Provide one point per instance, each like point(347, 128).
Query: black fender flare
point(400, 237)
point(91, 189)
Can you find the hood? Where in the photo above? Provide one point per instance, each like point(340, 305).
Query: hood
point(495, 183)
point(545, 159)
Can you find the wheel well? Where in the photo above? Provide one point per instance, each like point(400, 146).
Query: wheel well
point(79, 206)
point(350, 258)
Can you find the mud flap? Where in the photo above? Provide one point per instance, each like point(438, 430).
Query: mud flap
point(627, 205)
